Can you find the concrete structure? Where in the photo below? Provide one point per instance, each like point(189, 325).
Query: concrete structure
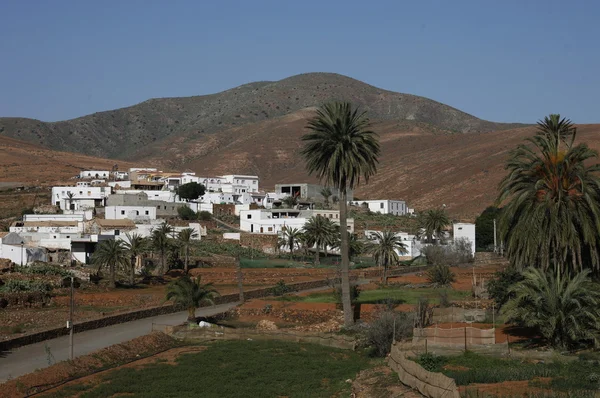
point(395, 207)
point(465, 231)
point(137, 198)
point(94, 174)
point(307, 191)
point(79, 198)
point(83, 247)
point(12, 247)
point(231, 183)
point(272, 221)
point(136, 213)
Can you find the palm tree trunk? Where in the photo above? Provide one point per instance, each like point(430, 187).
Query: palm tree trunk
point(191, 315)
point(317, 249)
point(163, 262)
point(187, 253)
point(132, 270)
point(346, 302)
point(111, 280)
point(385, 268)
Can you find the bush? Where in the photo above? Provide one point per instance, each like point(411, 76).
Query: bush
point(204, 215)
point(423, 313)
point(16, 285)
point(441, 275)
point(380, 334)
point(430, 362)
point(456, 253)
point(44, 269)
point(498, 287)
point(280, 288)
point(185, 213)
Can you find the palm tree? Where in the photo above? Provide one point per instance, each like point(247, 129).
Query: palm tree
point(70, 196)
point(434, 222)
point(385, 251)
point(355, 246)
point(326, 194)
point(304, 243)
point(112, 254)
point(191, 294)
point(290, 237)
point(319, 232)
point(160, 242)
point(135, 246)
point(340, 150)
point(185, 238)
point(290, 201)
point(552, 214)
point(564, 308)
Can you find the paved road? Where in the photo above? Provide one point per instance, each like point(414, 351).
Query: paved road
point(28, 358)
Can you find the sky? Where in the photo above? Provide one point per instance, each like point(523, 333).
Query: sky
point(505, 61)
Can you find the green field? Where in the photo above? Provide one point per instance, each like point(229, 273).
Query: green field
point(236, 369)
point(399, 295)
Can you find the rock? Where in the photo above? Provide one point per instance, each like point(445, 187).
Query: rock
point(266, 325)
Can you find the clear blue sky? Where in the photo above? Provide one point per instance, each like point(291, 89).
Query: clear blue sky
point(509, 61)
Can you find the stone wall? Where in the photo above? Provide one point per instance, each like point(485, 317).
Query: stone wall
point(374, 273)
point(430, 384)
point(263, 242)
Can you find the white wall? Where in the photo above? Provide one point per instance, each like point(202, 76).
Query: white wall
point(466, 231)
point(83, 197)
point(16, 254)
point(254, 220)
point(395, 207)
point(130, 212)
point(53, 217)
point(94, 174)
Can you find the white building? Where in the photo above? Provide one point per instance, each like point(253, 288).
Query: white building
point(395, 207)
point(12, 247)
point(94, 174)
point(232, 183)
point(465, 231)
point(413, 245)
point(79, 198)
point(272, 221)
point(136, 213)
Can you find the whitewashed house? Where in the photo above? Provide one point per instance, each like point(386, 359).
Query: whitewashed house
point(135, 213)
point(413, 245)
point(79, 198)
point(395, 207)
point(272, 221)
point(12, 247)
point(98, 174)
point(465, 231)
point(232, 183)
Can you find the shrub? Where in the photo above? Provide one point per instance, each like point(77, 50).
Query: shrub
point(423, 313)
point(204, 215)
point(430, 362)
point(44, 269)
point(380, 334)
point(185, 213)
point(456, 253)
point(498, 287)
point(441, 275)
point(280, 288)
point(16, 285)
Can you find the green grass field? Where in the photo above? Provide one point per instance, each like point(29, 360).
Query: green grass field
point(400, 295)
point(236, 369)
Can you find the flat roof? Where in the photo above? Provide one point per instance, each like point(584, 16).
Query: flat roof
point(125, 223)
point(50, 223)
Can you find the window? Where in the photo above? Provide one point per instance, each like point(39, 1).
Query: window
point(381, 205)
point(89, 193)
point(270, 229)
point(158, 207)
point(137, 212)
point(249, 216)
point(261, 230)
point(165, 207)
point(330, 215)
point(68, 237)
point(147, 213)
point(81, 192)
point(254, 182)
point(117, 232)
point(122, 212)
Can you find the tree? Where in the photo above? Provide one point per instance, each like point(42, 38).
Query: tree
point(355, 246)
point(185, 213)
point(191, 191)
point(290, 201)
point(70, 197)
point(341, 149)
point(484, 228)
point(185, 238)
point(326, 194)
point(385, 250)
point(135, 246)
point(291, 237)
point(319, 231)
point(552, 194)
point(112, 254)
point(160, 242)
point(564, 308)
point(434, 222)
point(191, 294)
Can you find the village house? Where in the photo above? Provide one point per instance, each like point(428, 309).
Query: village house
point(141, 199)
point(412, 244)
point(307, 191)
point(79, 198)
point(97, 174)
point(395, 207)
point(465, 231)
point(135, 213)
point(272, 221)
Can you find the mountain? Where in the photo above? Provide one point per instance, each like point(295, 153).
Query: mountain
point(138, 131)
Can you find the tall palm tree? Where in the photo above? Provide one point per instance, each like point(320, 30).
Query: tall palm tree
point(191, 294)
point(326, 194)
point(385, 250)
point(185, 240)
point(319, 232)
point(564, 308)
point(341, 149)
point(70, 197)
point(291, 237)
point(135, 245)
point(160, 242)
point(112, 254)
point(434, 222)
point(552, 194)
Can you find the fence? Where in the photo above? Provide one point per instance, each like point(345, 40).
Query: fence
point(430, 384)
point(465, 336)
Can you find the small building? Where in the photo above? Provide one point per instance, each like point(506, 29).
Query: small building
point(13, 248)
point(136, 213)
point(79, 198)
point(412, 244)
point(272, 221)
point(95, 174)
point(111, 227)
point(395, 207)
point(307, 191)
point(465, 231)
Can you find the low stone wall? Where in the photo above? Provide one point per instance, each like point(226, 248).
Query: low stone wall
point(430, 384)
point(217, 333)
point(375, 273)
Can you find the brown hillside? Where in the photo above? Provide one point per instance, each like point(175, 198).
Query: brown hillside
point(33, 165)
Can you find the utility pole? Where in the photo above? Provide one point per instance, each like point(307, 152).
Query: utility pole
point(70, 323)
point(495, 245)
